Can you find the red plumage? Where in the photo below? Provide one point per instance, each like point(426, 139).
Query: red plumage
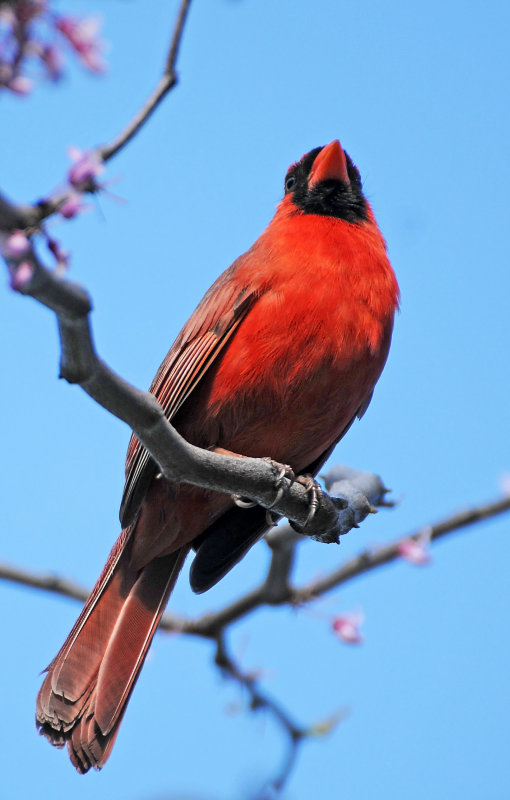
point(278, 359)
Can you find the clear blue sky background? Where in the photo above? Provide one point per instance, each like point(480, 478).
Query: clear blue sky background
point(418, 95)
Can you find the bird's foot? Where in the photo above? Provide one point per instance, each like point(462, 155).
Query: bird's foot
point(281, 472)
point(315, 493)
point(243, 502)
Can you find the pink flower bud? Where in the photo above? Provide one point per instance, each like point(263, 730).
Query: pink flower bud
point(415, 550)
point(21, 275)
point(15, 245)
point(347, 627)
point(73, 205)
point(82, 34)
point(20, 85)
point(87, 166)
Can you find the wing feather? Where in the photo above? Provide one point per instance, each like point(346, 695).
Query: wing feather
point(200, 342)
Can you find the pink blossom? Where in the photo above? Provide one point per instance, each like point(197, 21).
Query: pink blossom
point(87, 166)
point(82, 34)
point(21, 275)
point(72, 205)
point(15, 245)
point(415, 549)
point(23, 25)
point(347, 626)
point(20, 85)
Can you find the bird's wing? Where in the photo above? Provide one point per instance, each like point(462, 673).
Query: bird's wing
point(200, 342)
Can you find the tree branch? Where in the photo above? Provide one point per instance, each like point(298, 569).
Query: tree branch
point(210, 626)
point(275, 590)
point(179, 461)
point(167, 82)
point(28, 217)
point(260, 700)
point(48, 583)
point(372, 559)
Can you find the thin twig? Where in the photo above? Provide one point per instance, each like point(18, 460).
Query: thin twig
point(210, 626)
point(68, 588)
point(372, 559)
point(260, 700)
point(214, 625)
point(48, 583)
point(30, 217)
point(167, 82)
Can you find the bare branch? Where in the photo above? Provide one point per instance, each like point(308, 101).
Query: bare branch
point(260, 700)
point(210, 626)
point(68, 588)
point(276, 590)
point(29, 218)
point(282, 542)
point(179, 461)
point(13, 217)
point(167, 82)
point(371, 559)
point(49, 583)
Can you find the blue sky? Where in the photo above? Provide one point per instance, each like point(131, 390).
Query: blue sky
point(418, 95)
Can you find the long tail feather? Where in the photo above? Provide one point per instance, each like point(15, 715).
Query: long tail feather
point(88, 684)
point(132, 636)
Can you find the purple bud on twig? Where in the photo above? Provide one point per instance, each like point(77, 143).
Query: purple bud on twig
point(415, 549)
point(15, 245)
point(347, 627)
point(87, 166)
point(82, 35)
point(21, 275)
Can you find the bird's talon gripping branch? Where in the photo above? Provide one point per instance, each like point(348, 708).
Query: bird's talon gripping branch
point(315, 492)
point(243, 502)
point(281, 471)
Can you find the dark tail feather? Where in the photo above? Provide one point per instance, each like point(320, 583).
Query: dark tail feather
point(85, 692)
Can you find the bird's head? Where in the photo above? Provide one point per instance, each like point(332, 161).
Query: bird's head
point(326, 182)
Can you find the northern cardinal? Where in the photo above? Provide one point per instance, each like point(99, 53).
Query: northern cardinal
point(279, 358)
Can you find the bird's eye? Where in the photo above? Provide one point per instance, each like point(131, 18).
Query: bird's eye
point(290, 182)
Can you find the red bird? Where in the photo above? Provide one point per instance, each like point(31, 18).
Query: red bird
point(279, 358)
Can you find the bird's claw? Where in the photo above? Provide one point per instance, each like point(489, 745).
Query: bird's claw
point(242, 502)
point(281, 471)
point(285, 472)
point(315, 493)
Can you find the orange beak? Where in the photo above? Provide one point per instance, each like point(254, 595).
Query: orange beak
point(330, 164)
